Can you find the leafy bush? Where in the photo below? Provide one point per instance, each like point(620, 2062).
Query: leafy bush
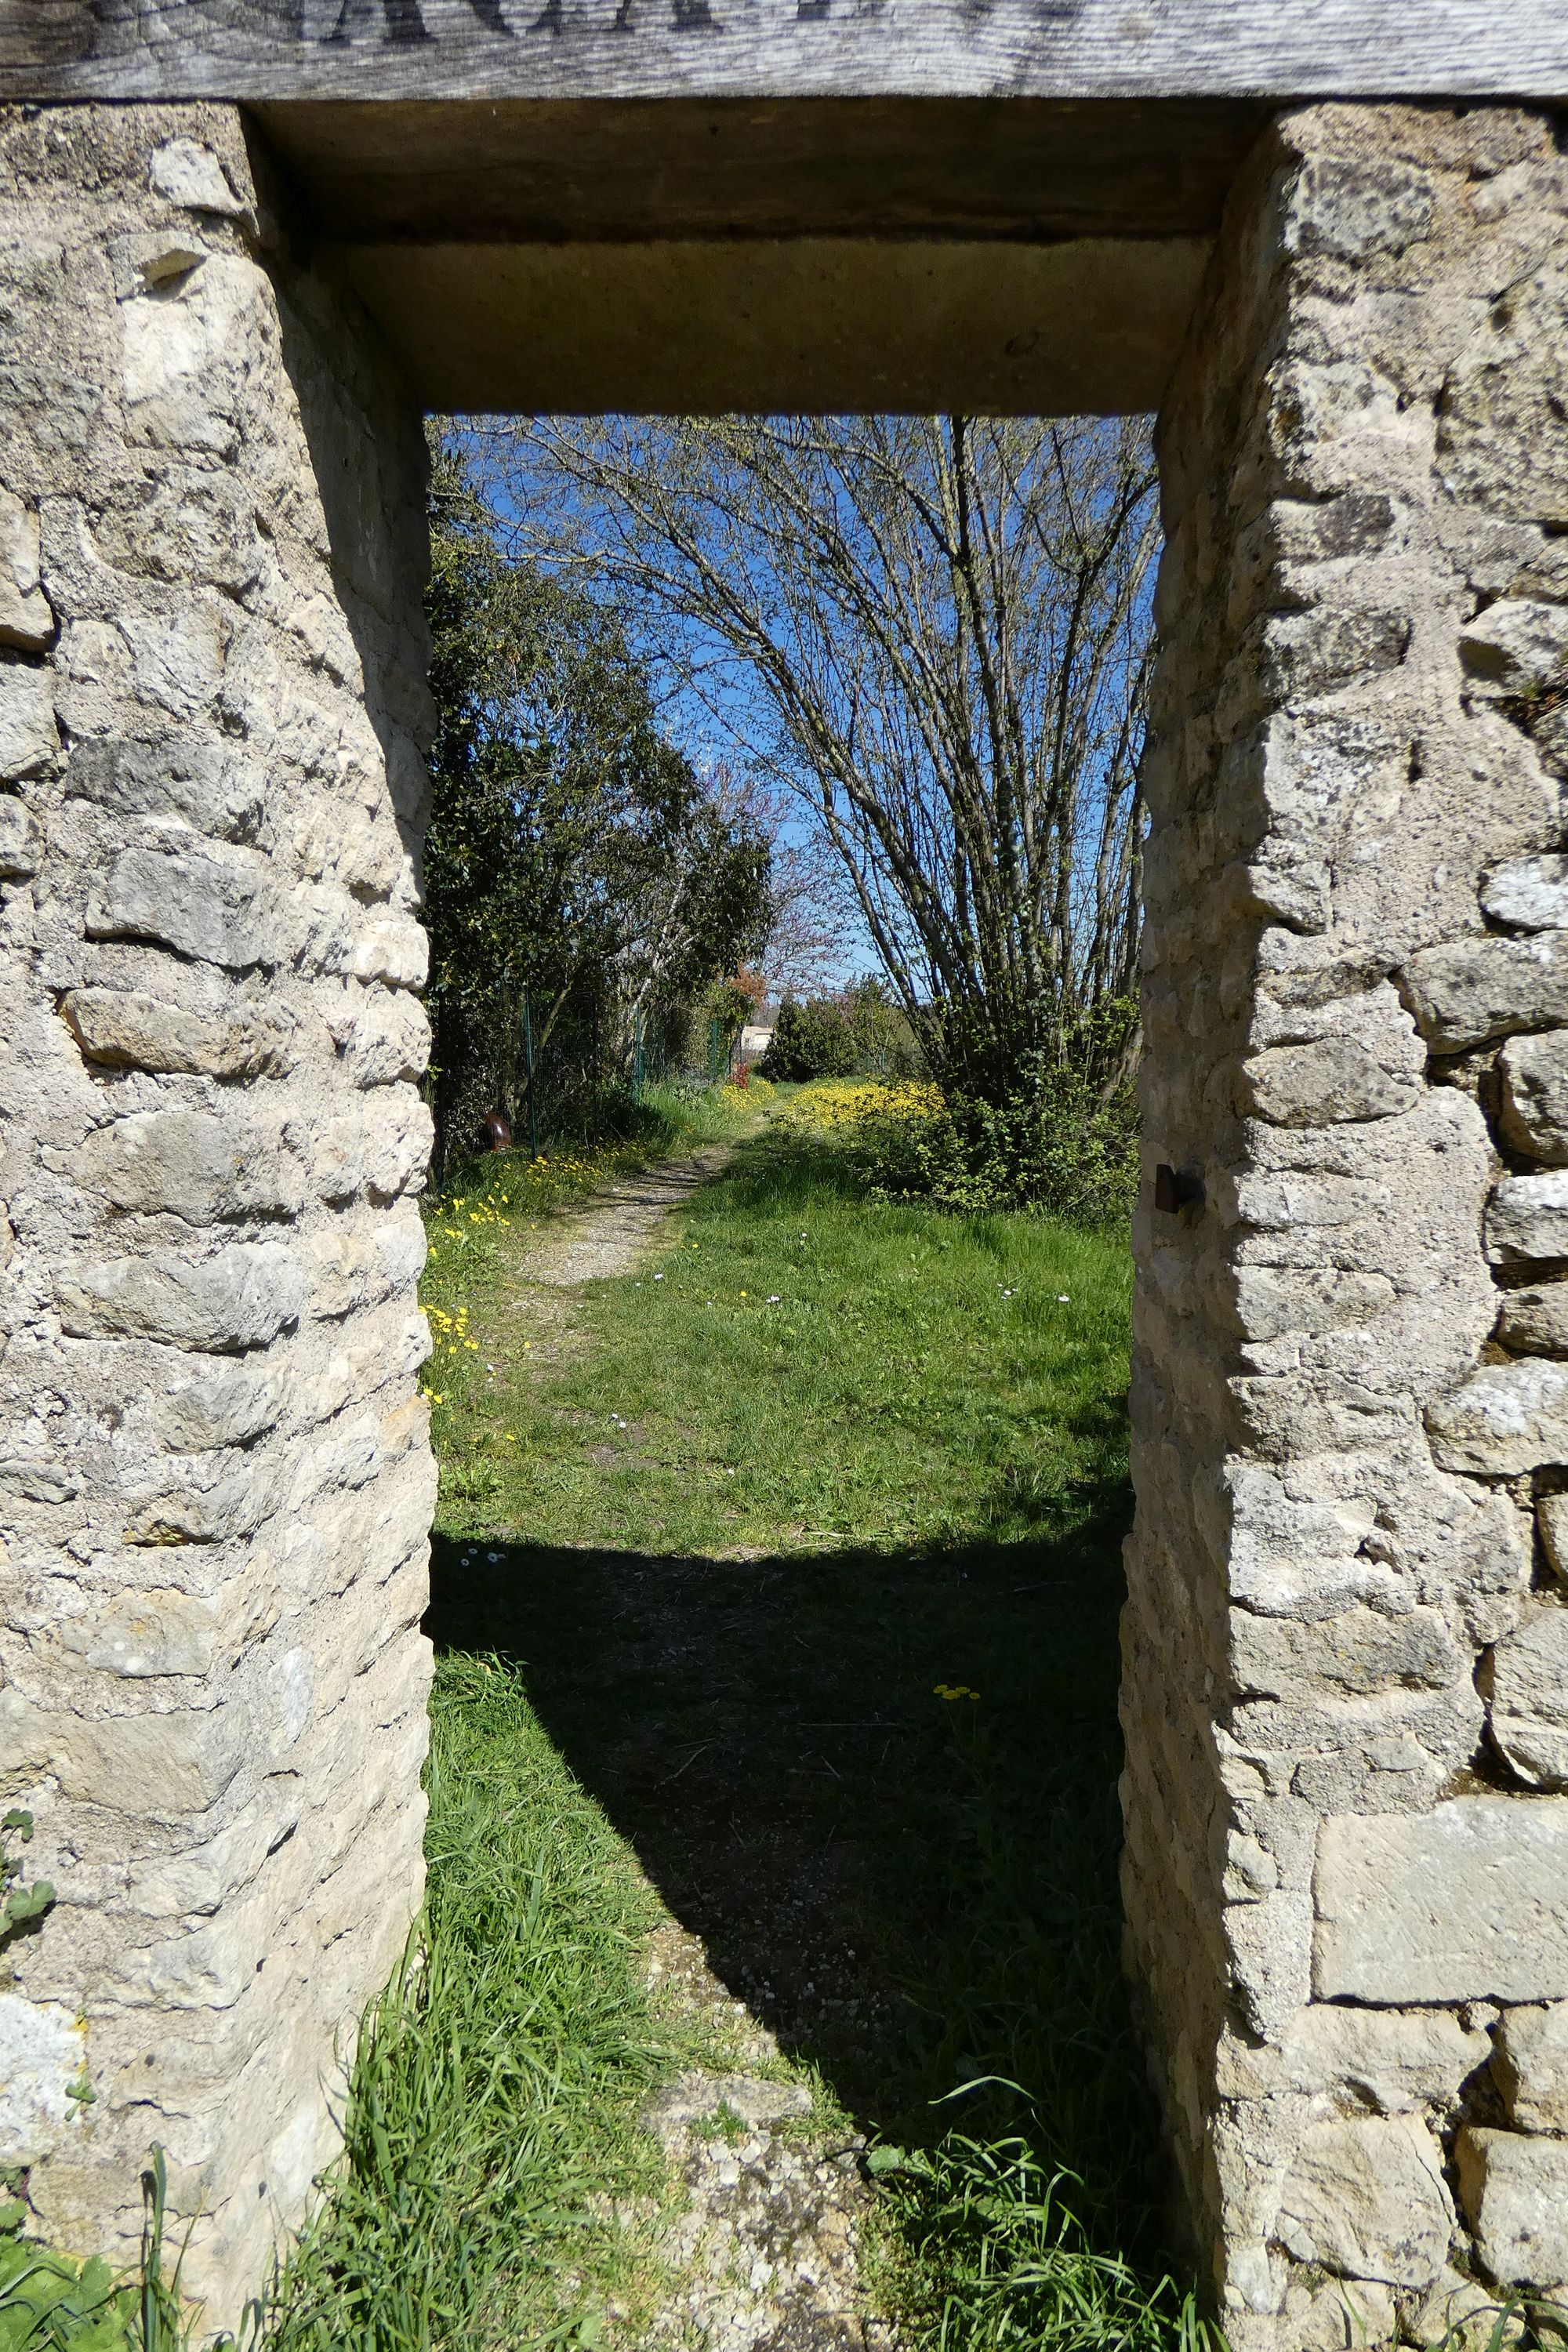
point(1059, 1147)
point(809, 1040)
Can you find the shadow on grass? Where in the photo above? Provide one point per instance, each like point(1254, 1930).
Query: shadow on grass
point(911, 1889)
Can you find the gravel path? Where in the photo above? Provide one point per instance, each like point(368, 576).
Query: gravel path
point(765, 2249)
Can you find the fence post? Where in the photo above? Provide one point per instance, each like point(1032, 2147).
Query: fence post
point(527, 1057)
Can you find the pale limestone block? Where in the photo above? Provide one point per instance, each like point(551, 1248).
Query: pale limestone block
point(1505, 1418)
point(383, 1034)
point(164, 1766)
point(151, 1631)
point(43, 2051)
point(190, 174)
point(1269, 1945)
point(397, 1131)
point(26, 619)
point(1469, 1902)
point(1534, 1110)
point(196, 1498)
point(238, 1299)
point(1345, 2315)
point(1366, 2198)
point(1278, 1202)
point(143, 259)
point(1532, 2066)
point(194, 1165)
point(1460, 2314)
point(1515, 647)
point(177, 659)
point(1552, 1518)
point(392, 949)
point(358, 1261)
point(1514, 2193)
point(29, 737)
point(1359, 1650)
point(192, 351)
point(1527, 1686)
point(186, 783)
point(1271, 1301)
point(131, 1028)
point(1531, 893)
point(1327, 1083)
point(1527, 1218)
point(1393, 2061)
point(198, 1882)
point(228, 1405)
point(1349, 208)
point(1469, 991)
point(1535, 1319)
point(206, 900)
point(21, 840)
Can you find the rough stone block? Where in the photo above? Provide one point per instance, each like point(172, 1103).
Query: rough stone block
point(28, 738)
point(1391, 2061)
point(189, 175)
point(1552, 1519)
point(238, 1299)
point(1469, 1902)
point(43, 2049)
point(129, 1028)
point(203, 901)
point(1332, 1081)
point(151, 1632)
point(192, 1164)
point(1349, 208)
point(222, 1404)
point(21, 843)
point(1361, 1650)
point(26, 619)
point(1459, 2314)
point(1531, 893)
point(1534, 1114)
point(1514, 2193)
point(1527, 1219)
point(1532, 2066)
point(1515, 647)
point(1527, 1686)
point(1367, 2200)
point(1469, 991)
point(1505, 1418)
point(1535, 1319)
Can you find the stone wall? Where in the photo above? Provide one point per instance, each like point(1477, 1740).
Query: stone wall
point(213, 1456)
point(1346, 1643)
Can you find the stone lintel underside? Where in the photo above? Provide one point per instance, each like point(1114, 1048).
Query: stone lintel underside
point(214, 1462)
point(1346, 1640)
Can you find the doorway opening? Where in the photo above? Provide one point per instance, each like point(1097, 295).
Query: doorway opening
point(781, 1412)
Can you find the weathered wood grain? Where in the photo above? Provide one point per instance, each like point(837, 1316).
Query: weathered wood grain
point(381, 49)
point(1033, 169)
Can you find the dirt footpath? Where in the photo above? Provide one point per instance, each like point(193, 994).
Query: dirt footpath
point(765, 2249)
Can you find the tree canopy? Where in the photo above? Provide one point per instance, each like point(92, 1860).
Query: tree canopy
point(575, 853)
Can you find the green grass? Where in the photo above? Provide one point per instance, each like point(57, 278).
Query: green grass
point(708, 1599)
point(492, 2117)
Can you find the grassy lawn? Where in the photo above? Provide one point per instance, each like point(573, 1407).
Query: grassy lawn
point(785, 1602)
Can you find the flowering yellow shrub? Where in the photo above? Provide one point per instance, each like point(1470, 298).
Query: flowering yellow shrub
point(850, 1102)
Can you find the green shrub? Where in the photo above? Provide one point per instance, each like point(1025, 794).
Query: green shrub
point(809, 1040)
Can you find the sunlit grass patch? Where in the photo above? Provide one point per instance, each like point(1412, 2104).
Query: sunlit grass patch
point(494, 2189)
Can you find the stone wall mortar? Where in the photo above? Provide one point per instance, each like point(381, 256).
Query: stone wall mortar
point(214, 1457)
point(1346, 1645)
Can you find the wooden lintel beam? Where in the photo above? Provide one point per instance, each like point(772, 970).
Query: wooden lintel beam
point(477, 50)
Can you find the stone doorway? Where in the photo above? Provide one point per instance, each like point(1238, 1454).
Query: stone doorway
point(1345, 1696)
